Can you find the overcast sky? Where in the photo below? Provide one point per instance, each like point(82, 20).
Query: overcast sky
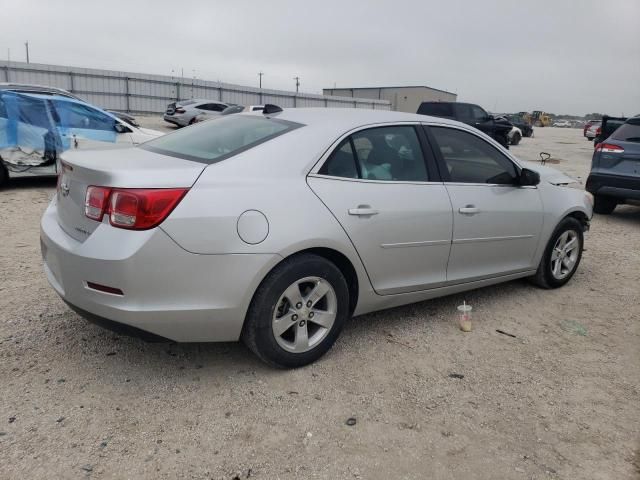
point(559, 56)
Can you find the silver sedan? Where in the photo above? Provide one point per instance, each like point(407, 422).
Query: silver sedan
point(276, 228)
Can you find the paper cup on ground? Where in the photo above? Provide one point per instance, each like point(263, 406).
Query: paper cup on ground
point(464, 317)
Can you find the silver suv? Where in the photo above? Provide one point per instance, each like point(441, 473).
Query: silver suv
point(184, 112)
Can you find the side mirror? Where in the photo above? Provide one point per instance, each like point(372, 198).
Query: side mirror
point(529, 177)
point(120, 128)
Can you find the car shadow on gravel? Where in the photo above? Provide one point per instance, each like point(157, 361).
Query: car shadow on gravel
point(625, 213)
point(117, 353)
point(24, 183)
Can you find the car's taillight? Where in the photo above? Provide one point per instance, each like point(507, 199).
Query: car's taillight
point(598, 131)
point(96, 202)
point(609, 148)
point(132, 208)
point(180, 110)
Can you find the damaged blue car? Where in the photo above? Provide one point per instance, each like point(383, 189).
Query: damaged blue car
point(35, 129)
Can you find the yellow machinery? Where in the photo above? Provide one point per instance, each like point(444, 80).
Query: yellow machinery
point(540, 119)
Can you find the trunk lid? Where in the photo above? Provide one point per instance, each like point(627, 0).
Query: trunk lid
point(114, 167)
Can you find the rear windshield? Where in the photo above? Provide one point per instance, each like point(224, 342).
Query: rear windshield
point(436, 109)
point(629, 132)
point(214, 140)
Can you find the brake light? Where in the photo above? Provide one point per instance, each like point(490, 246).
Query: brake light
point(180, 110)
point(132, 208)
point(609, 148)
point(95, 202)
point(598, 131)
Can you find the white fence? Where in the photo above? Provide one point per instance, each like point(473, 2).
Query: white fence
point(140, 93)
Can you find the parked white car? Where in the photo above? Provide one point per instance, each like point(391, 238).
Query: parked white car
point(562, 124)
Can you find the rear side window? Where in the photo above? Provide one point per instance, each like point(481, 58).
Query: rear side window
point(436, 109)
point(465, 113)
point(629, 132)
point(342, 162)
point(220, 138)
point(381, 153)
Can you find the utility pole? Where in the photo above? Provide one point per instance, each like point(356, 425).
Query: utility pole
point(260, 74)
point(26, 44)
point(297, 79)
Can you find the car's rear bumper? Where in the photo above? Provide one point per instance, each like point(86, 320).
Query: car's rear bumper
point(618, 186)
point(167, 291)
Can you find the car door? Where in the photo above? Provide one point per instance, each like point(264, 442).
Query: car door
point(81, 126)
point(496, 222)
point(391, 204)
point(28, 137)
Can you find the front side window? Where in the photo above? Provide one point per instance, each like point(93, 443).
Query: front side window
point(75, 115)
point(470, 159)
point(219, 138)
point(381, 153)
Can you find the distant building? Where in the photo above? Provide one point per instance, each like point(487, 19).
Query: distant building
point(403, 99)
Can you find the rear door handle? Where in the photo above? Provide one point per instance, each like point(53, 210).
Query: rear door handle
point(363, 210)
point(469, 210)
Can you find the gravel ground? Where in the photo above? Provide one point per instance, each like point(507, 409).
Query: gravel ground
point(560, 400)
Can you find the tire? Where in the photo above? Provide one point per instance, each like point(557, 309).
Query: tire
point(301, 274)
point(4, 176)
point(503, 140)
point(516, 139)
point(604, 205)
point(547, 276)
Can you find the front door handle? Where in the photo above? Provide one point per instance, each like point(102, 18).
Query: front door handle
point(469, 210)
point(363, 210)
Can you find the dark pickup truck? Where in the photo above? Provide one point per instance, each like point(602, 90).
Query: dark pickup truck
point(496, 128)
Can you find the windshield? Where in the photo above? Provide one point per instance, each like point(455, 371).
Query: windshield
point(217, 139)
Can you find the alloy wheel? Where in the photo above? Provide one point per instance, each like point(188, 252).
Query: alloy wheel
point(565, 254)
point(304, 314)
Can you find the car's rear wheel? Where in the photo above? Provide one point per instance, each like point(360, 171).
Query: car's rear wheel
point(516, 139)
point(604, 205)
point(297, 312)
point(562, 255)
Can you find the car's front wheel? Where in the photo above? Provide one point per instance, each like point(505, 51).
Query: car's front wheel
point(562, 255)
point(516, 139)
point(297, 312)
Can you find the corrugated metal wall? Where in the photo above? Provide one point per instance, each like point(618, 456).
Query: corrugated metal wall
point(140, 93)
